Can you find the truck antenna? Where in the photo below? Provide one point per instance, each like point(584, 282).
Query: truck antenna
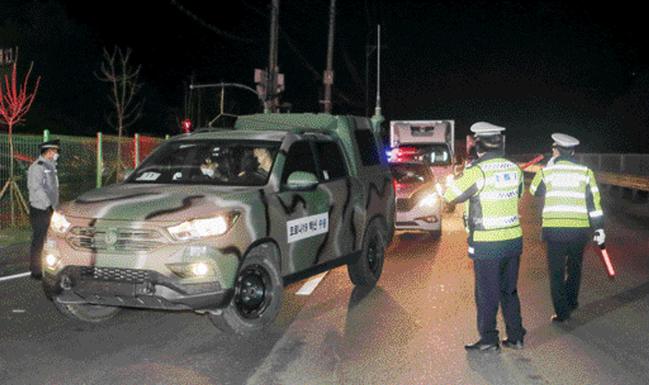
point(377, 118)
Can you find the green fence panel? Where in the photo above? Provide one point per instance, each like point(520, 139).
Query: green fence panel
point(25, 152)
point(77, 165)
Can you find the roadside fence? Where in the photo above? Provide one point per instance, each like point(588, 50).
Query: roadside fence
point(86, 162)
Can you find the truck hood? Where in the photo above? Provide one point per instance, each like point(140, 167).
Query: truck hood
point(154, 202)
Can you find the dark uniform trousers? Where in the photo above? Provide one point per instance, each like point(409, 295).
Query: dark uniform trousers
point(496, 284)
point(40, 220)
point(564, 265)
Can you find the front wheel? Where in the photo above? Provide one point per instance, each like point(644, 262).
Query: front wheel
point(86, 312)
point(366, 271)
point(257, 297)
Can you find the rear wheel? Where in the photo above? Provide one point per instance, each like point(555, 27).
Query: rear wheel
point(257, 297)
point(366, 271)
point(86, 312)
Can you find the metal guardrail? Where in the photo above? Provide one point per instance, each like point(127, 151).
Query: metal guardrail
point(628, 164)
point(623, 170)
point(629, 181)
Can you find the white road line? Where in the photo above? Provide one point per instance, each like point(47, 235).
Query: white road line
point(311, 284)
point(7, 278)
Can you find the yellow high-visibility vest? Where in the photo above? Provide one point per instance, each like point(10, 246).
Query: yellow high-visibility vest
point(572, 198)
point(491, 187)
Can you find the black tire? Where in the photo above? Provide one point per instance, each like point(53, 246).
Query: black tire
point(86, 312)
point(366, 271)
point(257, 296)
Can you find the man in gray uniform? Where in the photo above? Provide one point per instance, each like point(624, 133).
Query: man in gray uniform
point(43, 184)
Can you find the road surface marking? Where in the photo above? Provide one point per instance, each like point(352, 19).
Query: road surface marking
point(7, 278)
point(311, 284)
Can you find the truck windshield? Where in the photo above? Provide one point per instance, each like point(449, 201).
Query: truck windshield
point(436, 154)
point(215, 162)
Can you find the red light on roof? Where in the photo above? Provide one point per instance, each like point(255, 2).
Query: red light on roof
point(186, 125)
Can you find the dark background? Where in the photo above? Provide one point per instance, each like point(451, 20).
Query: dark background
point(535, 67)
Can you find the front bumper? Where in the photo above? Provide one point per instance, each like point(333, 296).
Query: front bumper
point(418, 221)
point(132, 288)
point(418, 225)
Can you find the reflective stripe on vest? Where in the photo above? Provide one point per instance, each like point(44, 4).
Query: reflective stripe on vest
point(565, 194)
point(498, 195)
point(565, 209)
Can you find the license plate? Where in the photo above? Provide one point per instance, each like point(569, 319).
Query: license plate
point(107, 288)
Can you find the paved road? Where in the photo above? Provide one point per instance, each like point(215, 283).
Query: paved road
point(410, 329)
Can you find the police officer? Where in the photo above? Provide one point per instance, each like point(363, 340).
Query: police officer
point(571, 208)
point(43, 184)
point(492, 185)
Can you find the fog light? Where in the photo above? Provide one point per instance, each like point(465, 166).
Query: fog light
point(428, 219)
point(191, 270)
point(200, 269)
point(51, 261)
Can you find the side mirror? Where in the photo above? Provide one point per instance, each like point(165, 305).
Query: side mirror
point(301, 180)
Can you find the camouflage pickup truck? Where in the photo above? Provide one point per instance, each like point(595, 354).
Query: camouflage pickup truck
point(218, 221)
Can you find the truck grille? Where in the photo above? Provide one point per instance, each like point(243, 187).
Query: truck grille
point(113, 274)
point(120, 239)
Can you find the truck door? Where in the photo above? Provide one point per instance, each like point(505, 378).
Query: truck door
point(341, 191)
point(304, 213)
point(374, 174)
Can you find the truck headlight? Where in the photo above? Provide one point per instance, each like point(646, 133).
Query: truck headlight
point(204, 227)
point(430, 200)
point(58, 223)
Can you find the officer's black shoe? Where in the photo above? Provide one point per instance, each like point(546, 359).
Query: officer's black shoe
point(483, 347)
point(557, 318)
point(37, 275)
point(512, 344)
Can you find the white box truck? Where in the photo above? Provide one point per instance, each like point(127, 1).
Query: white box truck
point(427, 141)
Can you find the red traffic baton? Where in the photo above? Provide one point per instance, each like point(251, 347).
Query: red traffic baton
point(607, 261)
point(532, 162)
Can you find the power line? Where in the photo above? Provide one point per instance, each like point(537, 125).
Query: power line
point(211, 27)
point(305, 62)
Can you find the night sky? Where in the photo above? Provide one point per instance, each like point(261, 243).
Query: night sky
point(535, 67)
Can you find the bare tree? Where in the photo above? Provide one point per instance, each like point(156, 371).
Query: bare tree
point(117, 71)
point(15, 102)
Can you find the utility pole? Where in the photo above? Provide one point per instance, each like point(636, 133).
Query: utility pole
point(378, 118)
point(270, 104)
point(328, 78)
